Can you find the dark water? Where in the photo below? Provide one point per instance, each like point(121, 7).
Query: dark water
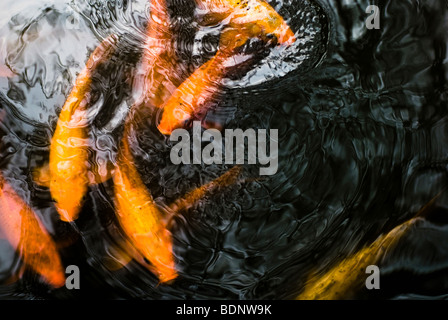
point(362, 120)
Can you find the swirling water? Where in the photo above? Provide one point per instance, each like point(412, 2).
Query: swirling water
point(362, 123)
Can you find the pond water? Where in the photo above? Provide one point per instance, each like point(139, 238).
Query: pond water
point(362, 139)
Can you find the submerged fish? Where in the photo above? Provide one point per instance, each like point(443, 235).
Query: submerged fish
point(157, 70)
point(227, 179)
point(140, 218)
point(69, 171)
point(69, 154)
point(119, 255)
point(245, 20)
point(137, 214)
point(23, 230)
point(349, 275)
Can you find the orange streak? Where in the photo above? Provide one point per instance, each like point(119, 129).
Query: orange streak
point(69, 166)
point(348, 276)
point(192, 197)
point(158, 64)
point(25, 232)
point(140, 218)
point(248, 19)
point(259, 19)
point(118, 257)
point(202, 85)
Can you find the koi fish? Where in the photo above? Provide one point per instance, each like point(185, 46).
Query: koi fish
point(24, 231)
point(349, 274)
point(122, 253)
point(228, 178)
point(69, 172)
point(139, 216)
point(248, 19)
point(136, 212)
point(156, 81)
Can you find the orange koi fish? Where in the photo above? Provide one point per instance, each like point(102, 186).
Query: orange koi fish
point(349, 275)
point(26, 234)
point(228, 178)
point(140, 217)
point(136, 212)
point(120, 254)
point(158, 61)
point(69, 169)
point(247, 19)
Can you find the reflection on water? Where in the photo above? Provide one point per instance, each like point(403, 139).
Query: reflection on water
point(362, 123)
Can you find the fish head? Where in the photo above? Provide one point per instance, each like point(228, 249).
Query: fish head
point(261, 20)
point(174, 117)
point(273, 25)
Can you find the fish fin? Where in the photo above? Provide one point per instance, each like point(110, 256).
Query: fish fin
point(41, 176)
point(116, 258)
point(16, 275)
point(218, 116)
point(427, 208)
point(121, 254)
point(101, 173)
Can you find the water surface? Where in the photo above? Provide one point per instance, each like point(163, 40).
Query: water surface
point(362, 120)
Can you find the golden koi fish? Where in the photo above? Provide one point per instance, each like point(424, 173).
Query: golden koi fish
point(137, 214)
point(26, 234)
point(158, 62)
point(140, 217)
point(349, 275)
point(121, 254)
point(228, 178)
point(247, 19)
point(69, 174)
point(69, 169)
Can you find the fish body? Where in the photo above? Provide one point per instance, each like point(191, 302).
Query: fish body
point(139, 216)
point(23, 230)
point(349, 275)
point(156, 76)
point(194, 196)
point(69, 167)
point(246, 20)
